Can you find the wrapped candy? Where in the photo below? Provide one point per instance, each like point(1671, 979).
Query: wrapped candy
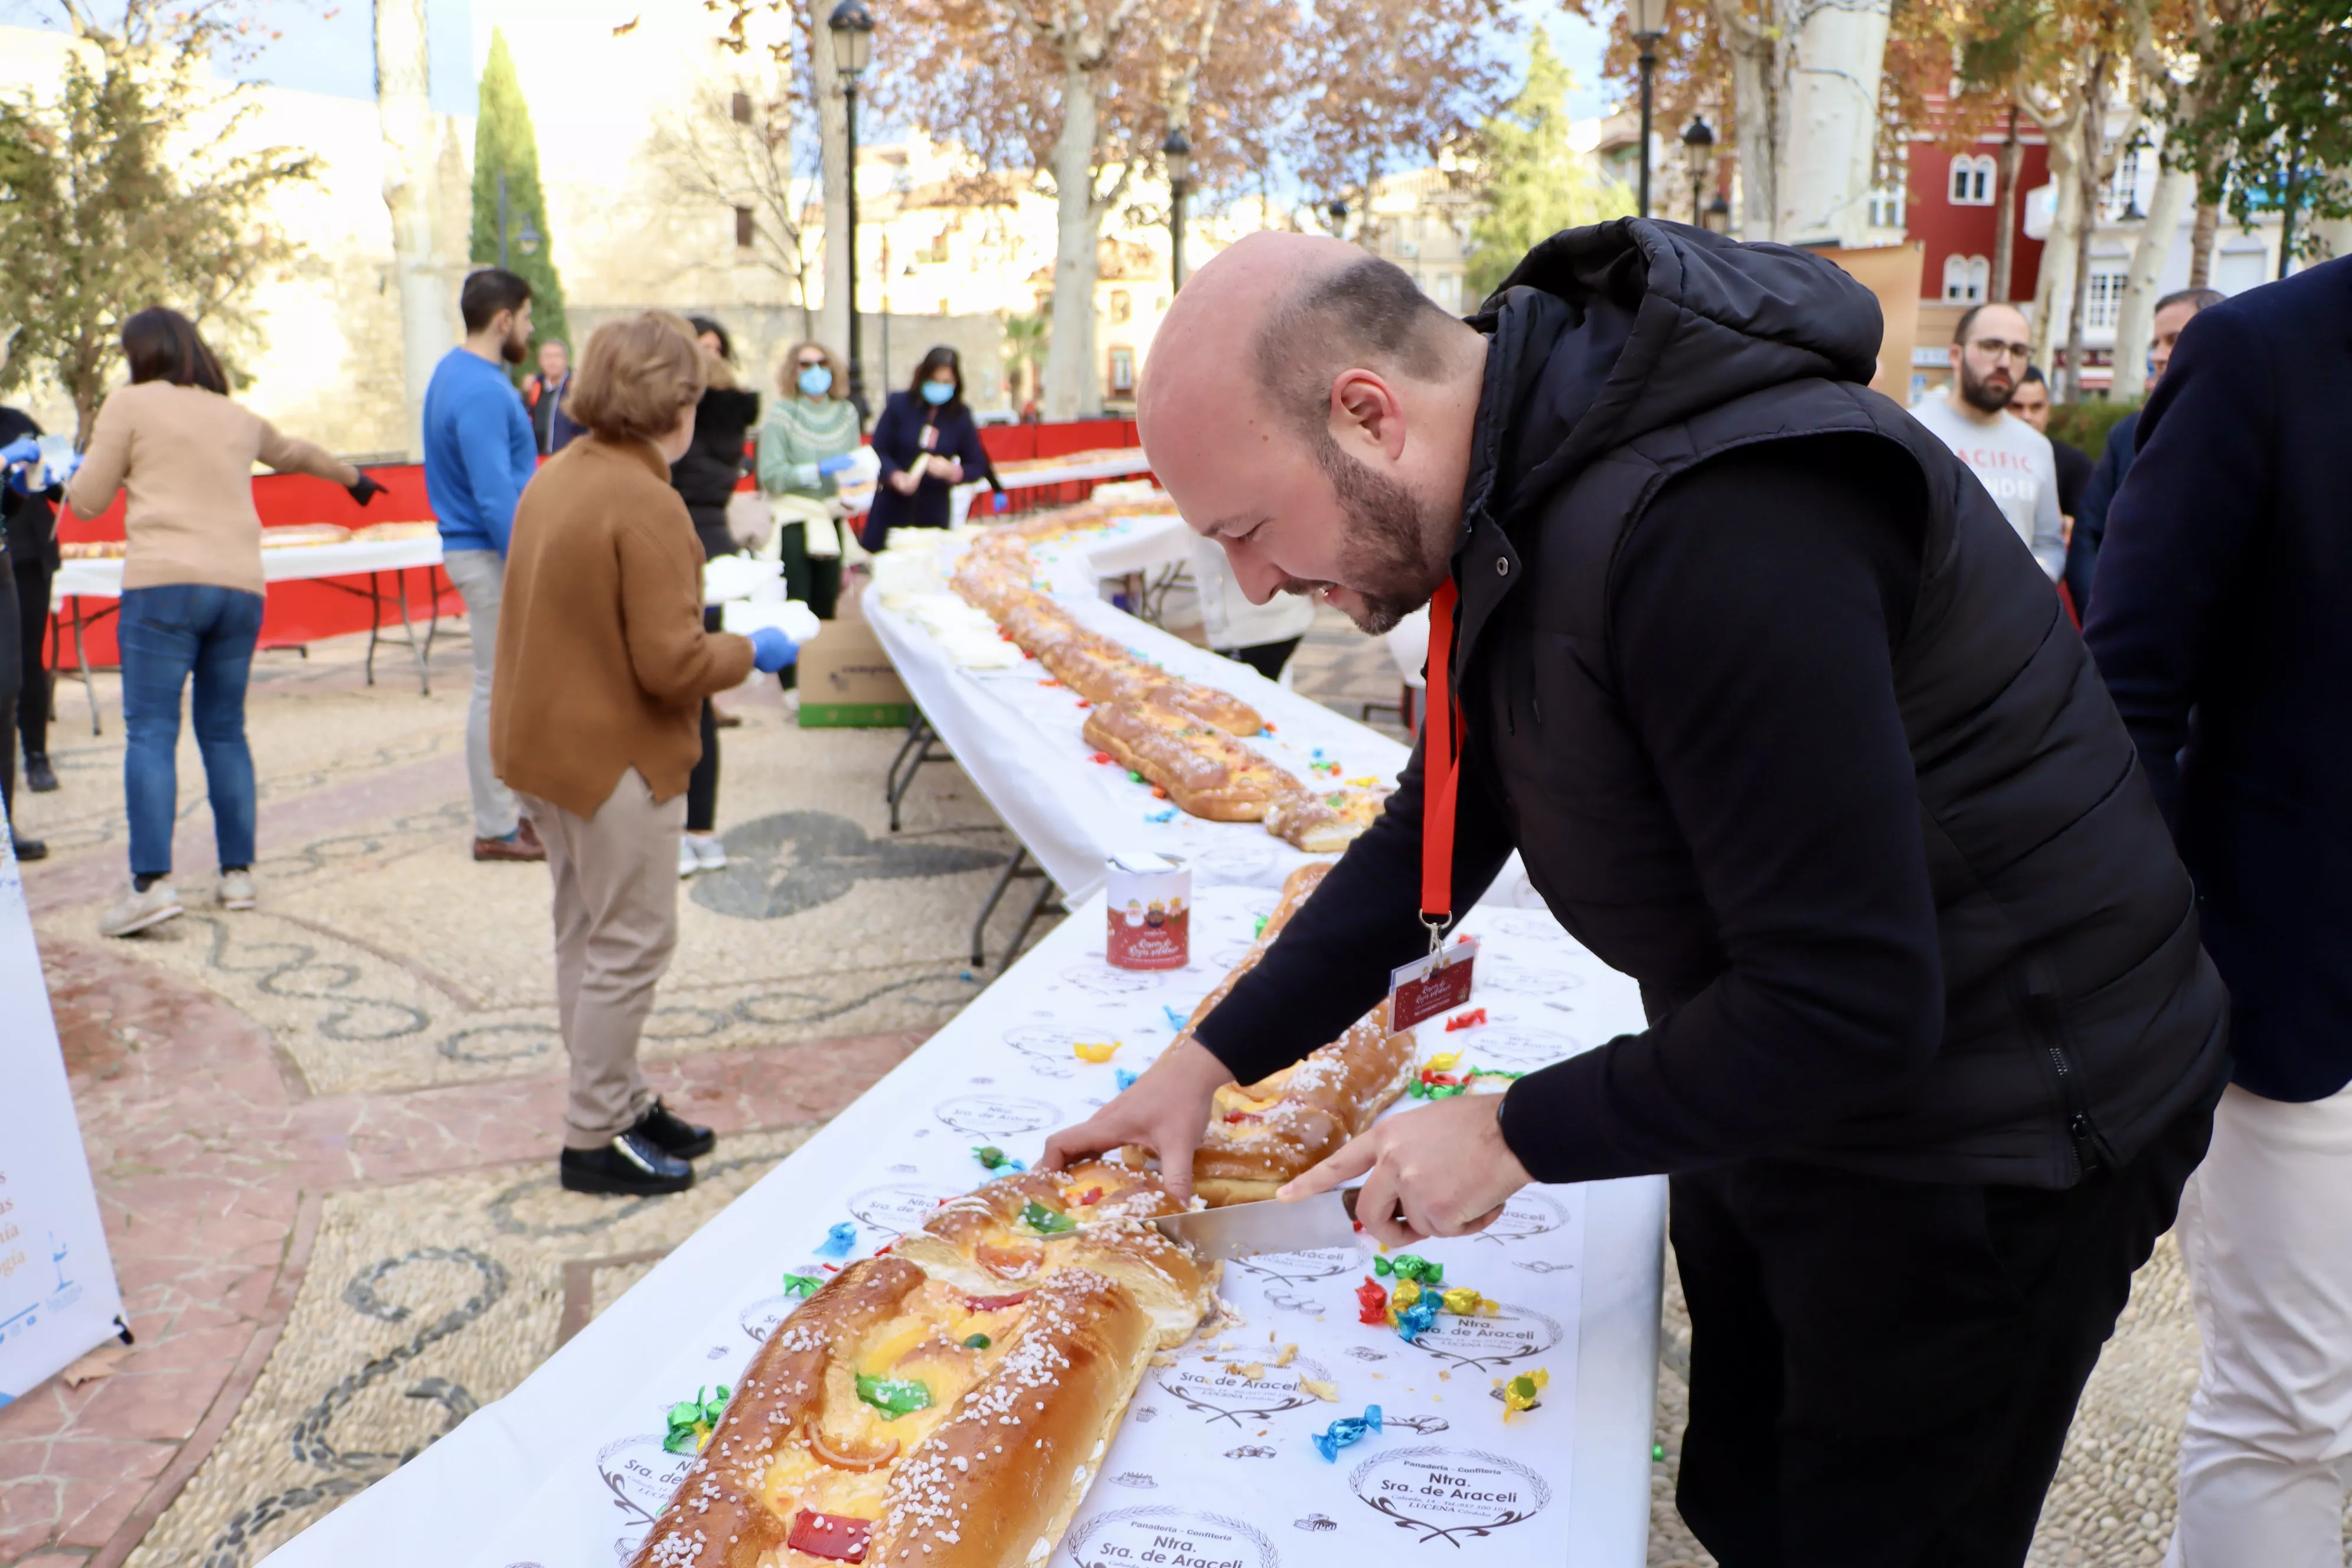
point(801, 1284)
point(1521, 1393)
point(1407, 1266)
point(992, 1158)
point(692, 1421)
point(1463, 1302)
point(1412, 1310)
point(837, 1241)
point(1470, 1020)
point(1096, 1050)
point(1124, 1078)
point(1373, 1303)
point(1346, 1430)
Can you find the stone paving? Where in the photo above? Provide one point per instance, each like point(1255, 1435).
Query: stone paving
point(323, 1131)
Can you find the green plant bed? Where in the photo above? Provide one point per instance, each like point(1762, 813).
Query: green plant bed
point(2084, 425)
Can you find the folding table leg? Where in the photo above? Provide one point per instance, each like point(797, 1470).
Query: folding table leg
point(995, 896)
point(424, 676)
point(375, 619)
point(81, 658)
point(1046, 890)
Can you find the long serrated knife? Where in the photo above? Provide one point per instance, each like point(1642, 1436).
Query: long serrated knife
point(1244, 1230)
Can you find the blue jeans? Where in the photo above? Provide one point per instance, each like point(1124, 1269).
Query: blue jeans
point(166, 634)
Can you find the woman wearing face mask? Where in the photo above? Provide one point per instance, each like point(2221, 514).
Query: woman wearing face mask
point(927, 445)
point(807, 428)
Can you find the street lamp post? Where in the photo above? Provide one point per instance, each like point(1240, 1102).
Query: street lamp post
point(1177, 151)
point(1647, 18)
point(1699, 140)
point(852, 29)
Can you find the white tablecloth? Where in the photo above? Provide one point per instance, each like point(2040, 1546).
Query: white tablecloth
point(293, 562)
point(1017, 735)
point(568, 1468)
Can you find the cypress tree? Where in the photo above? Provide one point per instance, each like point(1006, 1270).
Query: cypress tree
point(504, 145)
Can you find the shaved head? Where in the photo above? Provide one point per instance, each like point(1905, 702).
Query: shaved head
point(1310, 410)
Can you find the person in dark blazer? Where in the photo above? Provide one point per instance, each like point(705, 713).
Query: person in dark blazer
point(705, 477)
point(929, 444)
point(2173, 312)
point(2222, 623)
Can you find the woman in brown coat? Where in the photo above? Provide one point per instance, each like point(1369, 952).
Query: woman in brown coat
point(603, 665)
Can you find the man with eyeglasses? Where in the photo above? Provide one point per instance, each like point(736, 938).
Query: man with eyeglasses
point(2012, 458)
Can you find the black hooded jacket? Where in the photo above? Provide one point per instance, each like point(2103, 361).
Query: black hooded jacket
point(1787, 724)
point(711, 468)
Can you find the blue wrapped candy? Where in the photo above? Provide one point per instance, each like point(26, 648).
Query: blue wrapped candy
point(1346, 1430)
point(838, 1240)
point(1125, 1078)
point(1417, 1317)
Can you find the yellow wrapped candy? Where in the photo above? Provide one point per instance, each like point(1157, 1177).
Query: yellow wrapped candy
point(1442, 1062)
point(1096, 1050)
point(1466, 1300)
point(1521, 1392)
point(1406, 1292)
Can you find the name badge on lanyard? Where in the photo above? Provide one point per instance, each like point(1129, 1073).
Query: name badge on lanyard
point(930, 440)
point(1428, 986)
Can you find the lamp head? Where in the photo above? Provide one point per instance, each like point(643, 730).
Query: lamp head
point(1177, 151)
point(852, 27)
point(1646, 19)
point(1700, 136)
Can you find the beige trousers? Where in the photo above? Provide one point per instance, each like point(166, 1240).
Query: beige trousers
point(2266, 1231)
point(615, 926)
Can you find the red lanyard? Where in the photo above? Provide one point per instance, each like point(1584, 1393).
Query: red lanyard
point(1441, 770)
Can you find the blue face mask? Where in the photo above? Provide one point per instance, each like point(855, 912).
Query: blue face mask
point(816, 381)
point(937, 393)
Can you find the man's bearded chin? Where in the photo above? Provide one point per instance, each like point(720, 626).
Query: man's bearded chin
point(1386, 561)
point(518, 346)
point(1983, 393)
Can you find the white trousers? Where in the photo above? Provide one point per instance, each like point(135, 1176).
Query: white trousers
point(2266, 1231)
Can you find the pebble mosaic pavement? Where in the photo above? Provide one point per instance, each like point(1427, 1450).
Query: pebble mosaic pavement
point(322, 1131)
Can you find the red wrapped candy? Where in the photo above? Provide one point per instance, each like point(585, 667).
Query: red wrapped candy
point(1375, 1303)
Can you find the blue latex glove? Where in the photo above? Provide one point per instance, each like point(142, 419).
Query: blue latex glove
point(23, 449)
point(836, 465)
point(772, 650)
point(1000, 501)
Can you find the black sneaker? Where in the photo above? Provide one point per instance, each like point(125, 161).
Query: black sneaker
point(29, 848)
point(630, 1165)
point(39, 777)
point(674, 1136)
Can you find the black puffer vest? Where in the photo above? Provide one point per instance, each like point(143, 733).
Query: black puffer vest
point(2080, 1013)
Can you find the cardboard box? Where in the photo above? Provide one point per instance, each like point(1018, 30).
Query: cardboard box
point(847, 682)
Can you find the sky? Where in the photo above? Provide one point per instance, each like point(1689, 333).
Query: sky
point(326, 45)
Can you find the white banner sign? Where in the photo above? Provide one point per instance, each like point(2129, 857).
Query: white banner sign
point(57, 1294)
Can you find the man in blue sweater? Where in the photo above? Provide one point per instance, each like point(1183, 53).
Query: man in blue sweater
point(478, 454)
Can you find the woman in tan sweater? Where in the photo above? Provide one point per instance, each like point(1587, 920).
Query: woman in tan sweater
point(192, 589)
point(603, 665)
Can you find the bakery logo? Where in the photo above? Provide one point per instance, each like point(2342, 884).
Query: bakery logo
point(1219, 1385)
point(1526, 1213)
point(1104, 981)
point(1518, 1048)
point(1527, 981)
point(1167, 1538)
point(898, 1209)
point(1449, 1494)
point(1250, 1451)
point(1298, 1267)
point(1051, 1052)
point(995, 1115)
point(1284, 1301)
point(1513, 1333)
point(1316, 1522)
point(639, 1480)
point(760, 1317)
